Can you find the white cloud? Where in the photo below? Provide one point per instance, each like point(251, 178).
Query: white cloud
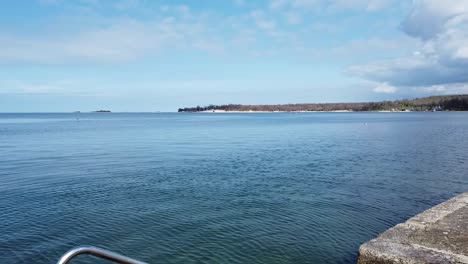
point(442, 57)
point(277, 4)
point(367, 5)
point(376, 5)
point(125, 40)
point(285, 26)
point(376, 45)
point(436, 88)
point(239, 2)
point(458, 88)
point(127, 4)
point(385, 88)
point(431, 17)
point(261, 21)
point(56, 87)
point(293, 18)
point(364, 5)
point(114, 41)
point(245, 38)
point(308, 4)
point(105, 39)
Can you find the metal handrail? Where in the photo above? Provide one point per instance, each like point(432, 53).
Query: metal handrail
point(97, 252)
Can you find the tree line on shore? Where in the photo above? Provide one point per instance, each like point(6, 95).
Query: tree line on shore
point(433, 103)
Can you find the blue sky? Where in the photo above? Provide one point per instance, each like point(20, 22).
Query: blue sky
point(155, 55)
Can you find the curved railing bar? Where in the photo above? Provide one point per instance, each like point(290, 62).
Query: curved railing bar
point(97, 252)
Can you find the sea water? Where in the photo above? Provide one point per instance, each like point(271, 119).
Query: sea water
point(221, 188)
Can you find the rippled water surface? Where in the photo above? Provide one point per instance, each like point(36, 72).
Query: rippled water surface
point(221, 188)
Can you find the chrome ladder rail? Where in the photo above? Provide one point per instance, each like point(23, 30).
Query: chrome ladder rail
point(97, 252)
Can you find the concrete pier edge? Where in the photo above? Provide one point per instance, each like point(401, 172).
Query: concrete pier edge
point(438, 235)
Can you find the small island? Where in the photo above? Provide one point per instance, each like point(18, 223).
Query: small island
point(432, 103)
point(102, 111)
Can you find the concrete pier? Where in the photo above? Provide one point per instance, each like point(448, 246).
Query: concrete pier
point(438, 235)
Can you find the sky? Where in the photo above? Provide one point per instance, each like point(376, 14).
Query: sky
point(159, 55)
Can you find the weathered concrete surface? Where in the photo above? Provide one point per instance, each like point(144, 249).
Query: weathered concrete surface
point(438, 235)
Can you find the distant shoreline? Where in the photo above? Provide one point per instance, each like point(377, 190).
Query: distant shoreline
point(269, 112)
point(426, 104)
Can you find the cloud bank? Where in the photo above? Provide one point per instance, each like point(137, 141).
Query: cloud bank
point(442, 59)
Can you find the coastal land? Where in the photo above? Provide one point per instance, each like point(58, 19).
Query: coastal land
point(433, 103)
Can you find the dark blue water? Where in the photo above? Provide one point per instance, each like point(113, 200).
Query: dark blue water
point(221, 188)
